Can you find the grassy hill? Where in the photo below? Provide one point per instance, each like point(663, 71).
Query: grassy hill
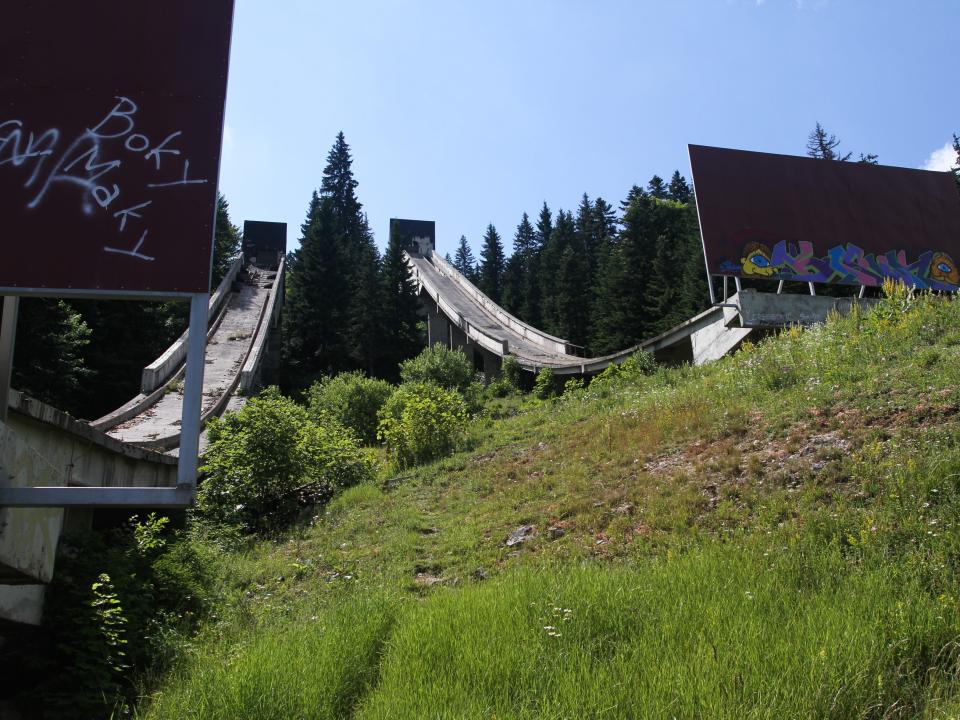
point(770, 536)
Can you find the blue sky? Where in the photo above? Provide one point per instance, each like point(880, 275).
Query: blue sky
point(469, 113)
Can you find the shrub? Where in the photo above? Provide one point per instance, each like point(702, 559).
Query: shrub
point(116, 600)
point(511, 372)
point(266, 459)
point(545, 386)
point(422, 422)
point(633, 368)
point(353, 400)
point(449, 369)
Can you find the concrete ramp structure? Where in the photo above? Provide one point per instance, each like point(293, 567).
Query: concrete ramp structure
point(459, 315)
point(135, 446)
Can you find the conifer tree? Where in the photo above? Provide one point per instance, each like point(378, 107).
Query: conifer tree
point(517, 280)
point(492, 264)
point(635, 192)
point(544, 226)
point(823, 146)
point(226, 242)
point(464, 260)
point(315, 313)
point(401, 338)
point(679, 190)
point(658, 188)
point(334, 281)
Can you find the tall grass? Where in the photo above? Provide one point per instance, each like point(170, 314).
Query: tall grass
point(718, 632)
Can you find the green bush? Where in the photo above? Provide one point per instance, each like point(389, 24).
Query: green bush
point(422, 422)
point(449, 369)
point(268, 458)
point(637, 365)
point(353, 400)
point(117, 603)
point(511, 372)
point(545, 386)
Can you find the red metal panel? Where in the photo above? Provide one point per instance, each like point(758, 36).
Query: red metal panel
point(779, 217)
point(111, 116)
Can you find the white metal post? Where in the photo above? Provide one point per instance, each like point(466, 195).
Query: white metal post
point(193, 394)
point(8, 334)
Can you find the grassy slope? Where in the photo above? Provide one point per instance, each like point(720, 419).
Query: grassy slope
point(770, 536)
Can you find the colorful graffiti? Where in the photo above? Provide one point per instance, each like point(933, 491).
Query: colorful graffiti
point(846, 264)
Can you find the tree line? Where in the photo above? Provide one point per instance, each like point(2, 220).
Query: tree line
point(600, 278)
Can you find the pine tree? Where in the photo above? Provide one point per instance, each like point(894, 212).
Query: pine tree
point(226, 242)
point(544, 225)
point(464, 260)
point(492, 265)
point(49, 353)
point(565, 282)
point(679, 190)
point(517, 280)
point(657, 188)
point(402, 338)
point(635, 192)
point(315, 313)
point(334, 281)
point(823, 146)
point(956, 149)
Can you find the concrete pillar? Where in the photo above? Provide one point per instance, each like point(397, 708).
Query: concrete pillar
point(438, 327)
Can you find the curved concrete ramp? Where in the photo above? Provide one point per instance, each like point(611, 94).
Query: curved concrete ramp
point(473, 316)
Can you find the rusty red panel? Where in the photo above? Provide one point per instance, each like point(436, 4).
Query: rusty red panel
point(111, 117)
point(780, 217)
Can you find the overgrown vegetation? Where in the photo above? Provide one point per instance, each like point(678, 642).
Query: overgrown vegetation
point(770, 536)
point(351, 399)
point(441, 366)
point(773, 535)
point(269, 459)
point(421, 422)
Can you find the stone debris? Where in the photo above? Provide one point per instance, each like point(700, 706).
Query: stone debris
point(555, 532)
point(521, 534)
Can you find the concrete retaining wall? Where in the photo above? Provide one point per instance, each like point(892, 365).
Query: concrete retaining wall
point(252, 367)
point(40, 445)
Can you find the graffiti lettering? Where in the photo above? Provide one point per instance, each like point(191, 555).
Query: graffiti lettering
point(845, 264)
point(93, 161)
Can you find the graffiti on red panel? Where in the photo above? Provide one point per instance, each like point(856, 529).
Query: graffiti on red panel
point(846, 264)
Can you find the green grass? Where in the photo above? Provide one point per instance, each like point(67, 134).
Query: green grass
point(770, 536)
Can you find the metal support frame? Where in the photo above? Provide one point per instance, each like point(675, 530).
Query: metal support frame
point(8, 334)
point(163, 497)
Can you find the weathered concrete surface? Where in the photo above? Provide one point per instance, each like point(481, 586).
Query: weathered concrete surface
point(41, 445)
point(716, 340)
point(228, 348)
point(769, 310)
point(251, 373)
point(28, 536)
point(160, 370)
point(22, 604)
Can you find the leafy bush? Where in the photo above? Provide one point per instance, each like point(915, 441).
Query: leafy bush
point(545, 386)
point(353, 400)
point(511, 372)
point(268, 458)
point(633, 368)
point(422, 422)
point(117, 599)
point(449, 369)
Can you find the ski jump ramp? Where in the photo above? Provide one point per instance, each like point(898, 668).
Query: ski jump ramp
point(460, 315)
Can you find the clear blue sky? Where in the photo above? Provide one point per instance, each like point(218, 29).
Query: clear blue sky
point(469, 113)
